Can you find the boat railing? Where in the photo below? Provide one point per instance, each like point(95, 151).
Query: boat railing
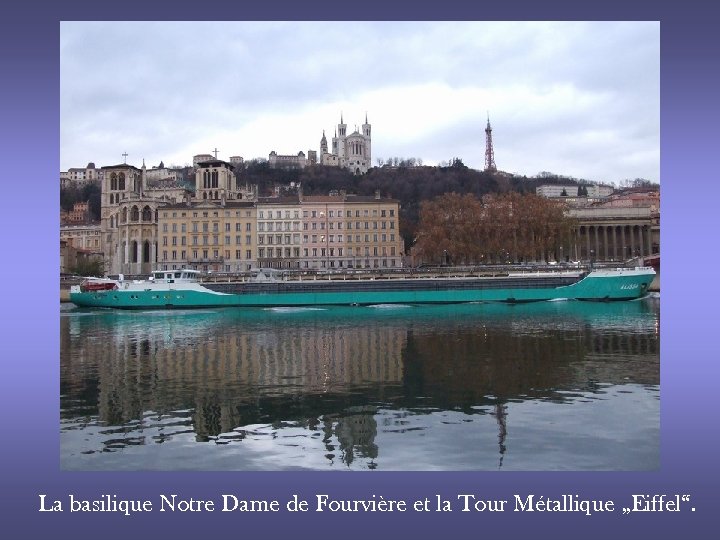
point(426, 272)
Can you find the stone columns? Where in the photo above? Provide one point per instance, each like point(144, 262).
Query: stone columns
point(605, 240)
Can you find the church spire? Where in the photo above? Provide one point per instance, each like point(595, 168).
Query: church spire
point(323, 145)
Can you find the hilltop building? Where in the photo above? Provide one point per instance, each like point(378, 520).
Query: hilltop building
point(276, 161)
point(79, 176)
point(352, 152)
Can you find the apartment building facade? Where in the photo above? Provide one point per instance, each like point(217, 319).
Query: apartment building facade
point(207, 236)
point(278, 232)
point(350, 231)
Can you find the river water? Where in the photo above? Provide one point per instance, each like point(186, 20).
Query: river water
point(547, 386)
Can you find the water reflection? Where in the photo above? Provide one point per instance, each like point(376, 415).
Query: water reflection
point(352, 387)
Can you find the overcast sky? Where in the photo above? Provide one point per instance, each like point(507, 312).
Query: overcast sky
point(575, 98)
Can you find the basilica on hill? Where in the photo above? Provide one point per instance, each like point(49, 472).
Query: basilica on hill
point(352, 152)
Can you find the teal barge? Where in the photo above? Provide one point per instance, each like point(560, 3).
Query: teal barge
point(182, 289)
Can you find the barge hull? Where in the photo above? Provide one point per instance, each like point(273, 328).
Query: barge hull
point(599, 286)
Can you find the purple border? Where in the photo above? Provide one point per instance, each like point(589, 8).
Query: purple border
point(30, 134)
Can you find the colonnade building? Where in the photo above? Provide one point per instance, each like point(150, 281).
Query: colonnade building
point(617, 227)
point(615, 234)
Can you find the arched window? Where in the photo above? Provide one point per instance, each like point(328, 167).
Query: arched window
point(112, 222)
point(124, 215)
point(133, 251)
point(113, 181)
point(121, 182)
point(134, 214)
point(147, 215)
point(146, 252)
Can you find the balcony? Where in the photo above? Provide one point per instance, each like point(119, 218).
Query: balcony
point(209, 260)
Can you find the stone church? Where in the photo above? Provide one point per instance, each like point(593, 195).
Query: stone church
point(352, 152)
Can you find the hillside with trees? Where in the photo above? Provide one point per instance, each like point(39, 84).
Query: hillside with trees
point(89, 192)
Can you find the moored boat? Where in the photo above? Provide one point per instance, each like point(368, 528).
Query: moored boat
point(183, 289)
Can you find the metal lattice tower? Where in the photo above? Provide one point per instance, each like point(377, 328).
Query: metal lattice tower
point(489, 153)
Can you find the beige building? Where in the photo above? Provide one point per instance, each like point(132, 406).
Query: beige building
point(373, 232)
point(87, 237)
point(207, 235)
point(350, 231)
